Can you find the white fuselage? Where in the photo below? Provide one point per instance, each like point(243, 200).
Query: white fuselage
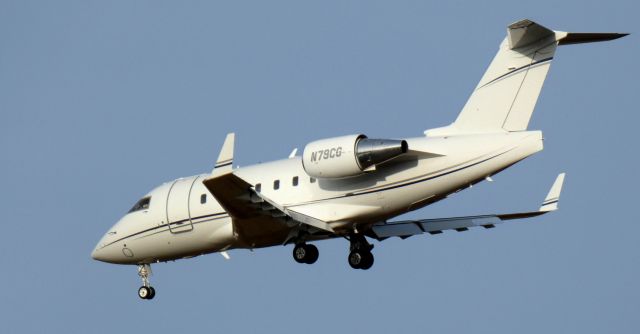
point(183, 219)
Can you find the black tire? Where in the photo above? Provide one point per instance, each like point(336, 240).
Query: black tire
point(152, 294)
point(312, 254)
point(367, 261)
point(144, 292)
point(355, 259)
point(300, 253)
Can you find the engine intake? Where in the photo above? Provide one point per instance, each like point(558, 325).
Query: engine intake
point(348, 156)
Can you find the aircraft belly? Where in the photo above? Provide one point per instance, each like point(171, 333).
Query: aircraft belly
point(344, 209)
point(260, 231)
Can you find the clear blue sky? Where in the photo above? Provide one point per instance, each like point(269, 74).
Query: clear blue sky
point(102, 100)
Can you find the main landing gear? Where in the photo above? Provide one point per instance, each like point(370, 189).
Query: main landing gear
point(146, 291)
point(305, 253)
point(360, 256)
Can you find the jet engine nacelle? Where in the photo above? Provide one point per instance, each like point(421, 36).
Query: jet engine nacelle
point(347, 156)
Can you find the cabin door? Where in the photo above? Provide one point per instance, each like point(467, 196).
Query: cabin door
point(178, 211)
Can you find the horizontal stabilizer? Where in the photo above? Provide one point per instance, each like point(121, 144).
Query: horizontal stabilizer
point(589, 37)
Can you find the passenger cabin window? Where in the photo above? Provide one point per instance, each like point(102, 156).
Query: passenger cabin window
point(276, 184)
point(312, 180)
point(203, 198)
point(258, 187)
point(142, 204)
point(295, 181)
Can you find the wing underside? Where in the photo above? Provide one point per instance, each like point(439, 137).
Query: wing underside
point(407, 228)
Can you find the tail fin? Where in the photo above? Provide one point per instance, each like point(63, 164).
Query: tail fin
point(507, 93)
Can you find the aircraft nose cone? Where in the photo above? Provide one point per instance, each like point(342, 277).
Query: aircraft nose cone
point(107, 254)
point(98, 254)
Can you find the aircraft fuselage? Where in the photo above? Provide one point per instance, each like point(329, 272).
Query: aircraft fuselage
point(183, 219)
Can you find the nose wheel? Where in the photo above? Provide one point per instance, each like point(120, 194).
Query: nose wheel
point(146, 291)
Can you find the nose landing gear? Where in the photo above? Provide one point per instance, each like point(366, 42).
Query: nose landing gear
point(146, 291)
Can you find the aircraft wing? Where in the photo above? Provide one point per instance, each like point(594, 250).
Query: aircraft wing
point(244, 203)
point(407, 228)
point(230, 191)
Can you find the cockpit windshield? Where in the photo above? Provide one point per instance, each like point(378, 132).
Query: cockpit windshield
point(142, 204)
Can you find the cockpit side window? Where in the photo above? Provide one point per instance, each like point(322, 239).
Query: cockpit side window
point(142, 204)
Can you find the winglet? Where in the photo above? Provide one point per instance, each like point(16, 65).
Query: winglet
point(225, 158)
point(551, 201)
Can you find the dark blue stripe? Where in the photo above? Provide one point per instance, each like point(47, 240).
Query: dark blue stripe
point(164, 225)
point(516, 70)
point(224, 164)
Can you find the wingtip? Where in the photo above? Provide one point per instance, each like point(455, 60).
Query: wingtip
point(225, 157)
point(553, 197)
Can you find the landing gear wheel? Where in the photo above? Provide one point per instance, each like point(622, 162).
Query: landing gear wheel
point(144, 292)
point(367, 261)
point(303, 253)
point(313, 254)
point(300, 253)
point(357, 258)
point(360, 256)
point(153, 293)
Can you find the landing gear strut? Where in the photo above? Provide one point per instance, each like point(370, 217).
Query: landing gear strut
point(360, 256)
point(305, 253)
point(146, 291)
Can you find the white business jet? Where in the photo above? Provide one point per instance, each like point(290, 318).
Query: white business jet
point(350, 186)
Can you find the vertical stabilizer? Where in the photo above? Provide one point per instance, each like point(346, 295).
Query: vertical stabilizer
point(506, 96)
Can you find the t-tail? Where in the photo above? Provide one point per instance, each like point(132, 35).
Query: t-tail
point(507, 93)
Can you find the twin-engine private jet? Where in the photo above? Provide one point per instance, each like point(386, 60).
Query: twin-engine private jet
point(350, 186)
